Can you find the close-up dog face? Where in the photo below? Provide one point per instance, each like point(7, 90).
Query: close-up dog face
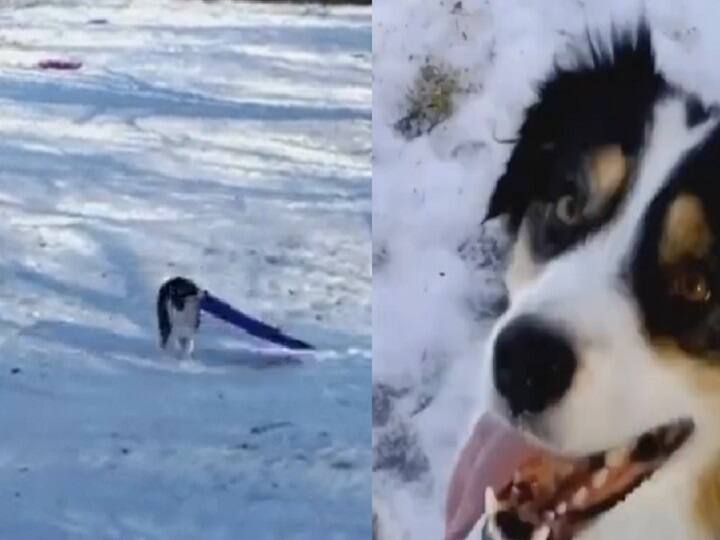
point(611, 344)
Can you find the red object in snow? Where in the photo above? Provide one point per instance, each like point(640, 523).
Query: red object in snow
point(59, 64)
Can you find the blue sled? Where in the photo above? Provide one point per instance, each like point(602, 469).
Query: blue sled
point(227, 313)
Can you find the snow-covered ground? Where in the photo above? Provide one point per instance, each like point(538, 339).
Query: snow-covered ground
point(226, 142)
point(436, 271)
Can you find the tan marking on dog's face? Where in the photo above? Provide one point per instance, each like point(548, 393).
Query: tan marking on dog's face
point(608, 169)
point(685, 232)
point(703, 373)
point(608, 172)
point(707, 498)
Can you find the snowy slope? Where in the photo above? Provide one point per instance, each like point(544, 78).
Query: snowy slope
point(225, 142)
point(436, 271)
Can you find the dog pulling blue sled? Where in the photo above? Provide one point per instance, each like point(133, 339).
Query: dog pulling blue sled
point(223, 310)
point(179, 304)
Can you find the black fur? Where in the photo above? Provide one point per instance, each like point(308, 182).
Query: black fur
point(693, 325)
point(162, 315)
point(606, 100)
point(175, 290)
point(697, 112)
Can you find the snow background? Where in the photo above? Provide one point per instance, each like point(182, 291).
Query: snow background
point(226, 142)
point(437, 273)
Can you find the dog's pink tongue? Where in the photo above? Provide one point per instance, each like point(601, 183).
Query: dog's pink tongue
point(490, 457)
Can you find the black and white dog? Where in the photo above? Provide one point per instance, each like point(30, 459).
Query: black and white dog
point(609, 353)
point(178, 313)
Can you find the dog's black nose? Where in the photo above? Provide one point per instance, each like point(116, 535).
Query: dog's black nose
point(533, 365)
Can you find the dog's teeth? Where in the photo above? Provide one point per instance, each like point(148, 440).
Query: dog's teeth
point(615, 458)
point(543, 533)
point(480, 530)
point(493, 531)
point(561, 508)
point(491, 502)
point(514, 492)
point(599, 478)
point(549, 516)
point(580, 497)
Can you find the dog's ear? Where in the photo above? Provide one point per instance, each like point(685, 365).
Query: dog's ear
point(510, 197)
point(499, 200)
point(528, 172)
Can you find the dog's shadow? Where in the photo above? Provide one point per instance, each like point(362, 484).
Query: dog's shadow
point(227, 357)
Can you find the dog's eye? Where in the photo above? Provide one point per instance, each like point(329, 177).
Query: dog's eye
point(692, 286)
point(568, 211)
